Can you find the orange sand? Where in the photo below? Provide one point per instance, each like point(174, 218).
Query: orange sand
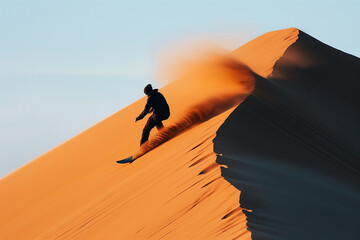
point(175, 191)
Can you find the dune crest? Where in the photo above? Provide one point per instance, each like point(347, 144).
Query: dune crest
point(259, 56)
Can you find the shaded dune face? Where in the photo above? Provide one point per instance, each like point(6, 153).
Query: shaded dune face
point(292, 147)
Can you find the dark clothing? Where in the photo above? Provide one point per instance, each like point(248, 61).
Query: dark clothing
point(150, 124)
point(156, 104)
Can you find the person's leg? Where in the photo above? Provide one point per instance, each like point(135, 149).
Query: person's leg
point(150, 124)
point(159, 125)
point(158, 121)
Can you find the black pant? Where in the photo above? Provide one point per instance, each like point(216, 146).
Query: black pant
point(150, 124)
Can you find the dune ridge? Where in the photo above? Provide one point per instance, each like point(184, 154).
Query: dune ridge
point(259, 56)
point(175, 191)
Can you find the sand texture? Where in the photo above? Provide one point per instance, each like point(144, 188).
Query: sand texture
point(281, 113)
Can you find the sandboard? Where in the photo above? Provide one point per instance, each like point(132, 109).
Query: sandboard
point(126, 160)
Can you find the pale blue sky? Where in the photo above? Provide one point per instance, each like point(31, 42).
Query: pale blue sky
point(65, 65)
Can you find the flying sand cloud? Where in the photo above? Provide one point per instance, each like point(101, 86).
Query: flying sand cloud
point(215, 82)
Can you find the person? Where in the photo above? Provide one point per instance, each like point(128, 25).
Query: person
point(157, 105)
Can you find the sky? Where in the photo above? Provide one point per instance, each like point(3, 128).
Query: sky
point(66, 65)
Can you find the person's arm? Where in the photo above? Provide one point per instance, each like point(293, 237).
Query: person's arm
point(146, 110)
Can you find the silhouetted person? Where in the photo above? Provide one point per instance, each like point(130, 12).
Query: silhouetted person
point(156, 104)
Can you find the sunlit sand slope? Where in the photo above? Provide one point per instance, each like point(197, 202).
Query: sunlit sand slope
point(175, 191)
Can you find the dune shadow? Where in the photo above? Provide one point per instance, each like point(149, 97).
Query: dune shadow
point(293, 190)
point(292, 148)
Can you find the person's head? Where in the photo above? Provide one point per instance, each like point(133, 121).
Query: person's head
point(148, 89)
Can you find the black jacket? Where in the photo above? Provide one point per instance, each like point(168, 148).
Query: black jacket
point(156, 103)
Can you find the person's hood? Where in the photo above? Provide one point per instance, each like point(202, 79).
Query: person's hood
point(153, 91)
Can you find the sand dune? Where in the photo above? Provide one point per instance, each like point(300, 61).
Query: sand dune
point(296, 155)
point(177, 190)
